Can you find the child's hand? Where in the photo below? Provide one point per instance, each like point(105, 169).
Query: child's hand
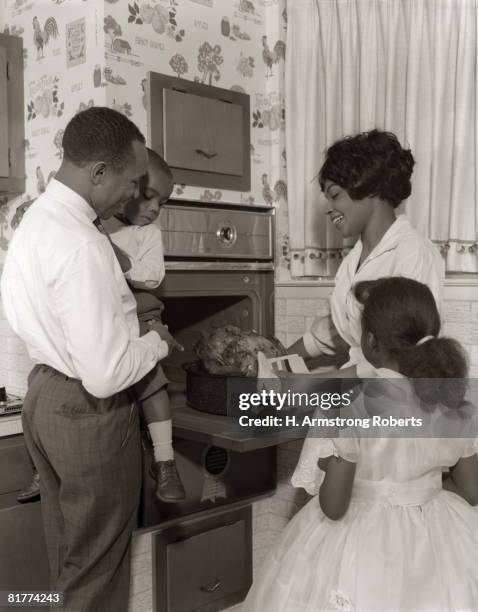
point(124, 260)
point(164, 334)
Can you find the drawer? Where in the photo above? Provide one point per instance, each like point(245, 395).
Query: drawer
point(204, 565)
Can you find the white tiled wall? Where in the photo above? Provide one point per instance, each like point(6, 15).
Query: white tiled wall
point(15, 364)
point(298, 304)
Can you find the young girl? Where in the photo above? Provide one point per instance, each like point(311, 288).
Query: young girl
point(384, 533)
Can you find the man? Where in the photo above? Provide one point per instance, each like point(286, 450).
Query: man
point(65, 295)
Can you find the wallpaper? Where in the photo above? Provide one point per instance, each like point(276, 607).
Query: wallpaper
point(78, 53)
point(63, 41)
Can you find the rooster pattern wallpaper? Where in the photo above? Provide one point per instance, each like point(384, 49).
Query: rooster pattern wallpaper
point(79, 53)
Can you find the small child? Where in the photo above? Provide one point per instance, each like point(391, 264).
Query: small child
point(384, 532)
point(138, 246)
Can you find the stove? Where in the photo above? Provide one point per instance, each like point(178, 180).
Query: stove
point(219, 270)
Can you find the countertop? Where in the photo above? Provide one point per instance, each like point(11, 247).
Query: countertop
point(10, 425)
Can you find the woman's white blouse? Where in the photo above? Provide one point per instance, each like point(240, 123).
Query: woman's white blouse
point(402, 252)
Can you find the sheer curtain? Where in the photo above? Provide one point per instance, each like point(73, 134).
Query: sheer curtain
point(408, 66)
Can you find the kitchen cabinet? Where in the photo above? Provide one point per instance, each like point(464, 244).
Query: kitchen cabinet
point(203, 132)
point(12, 121)
point(24, 562)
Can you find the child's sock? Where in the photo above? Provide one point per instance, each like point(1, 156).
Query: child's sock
point(161, 433)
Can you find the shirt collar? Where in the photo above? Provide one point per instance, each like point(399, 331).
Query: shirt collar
point(70, 199)
point(389, 241)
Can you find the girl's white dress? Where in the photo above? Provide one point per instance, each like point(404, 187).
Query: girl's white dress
point(404, 543)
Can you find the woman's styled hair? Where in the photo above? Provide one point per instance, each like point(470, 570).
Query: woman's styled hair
point(100, 134)
point(399, 312)
point(370, 164)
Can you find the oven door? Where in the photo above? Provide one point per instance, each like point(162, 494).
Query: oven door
point(200, 300)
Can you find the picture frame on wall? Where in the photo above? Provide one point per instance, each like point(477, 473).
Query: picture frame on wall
point(76, 42)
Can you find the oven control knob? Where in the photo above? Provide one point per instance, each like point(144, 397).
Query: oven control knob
point(226, 233)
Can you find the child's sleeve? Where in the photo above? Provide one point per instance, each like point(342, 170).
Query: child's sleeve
point(307, 474)
point(147, 262)
point(347, 447)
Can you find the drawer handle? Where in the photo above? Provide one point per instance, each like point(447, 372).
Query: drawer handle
point(206, 154)
point(211, 588)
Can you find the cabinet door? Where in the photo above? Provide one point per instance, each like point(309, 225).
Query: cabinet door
point(4, 142)
point(202, 131)
point(15, 468)
point(12, 120)
point(23, 559)
point(202, 134)
point(212, 565)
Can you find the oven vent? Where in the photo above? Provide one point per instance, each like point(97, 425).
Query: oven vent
point(216, 460)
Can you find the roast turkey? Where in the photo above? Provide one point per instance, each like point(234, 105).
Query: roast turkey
point(230, 350)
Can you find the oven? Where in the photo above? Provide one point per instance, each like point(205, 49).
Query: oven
point(219, 270)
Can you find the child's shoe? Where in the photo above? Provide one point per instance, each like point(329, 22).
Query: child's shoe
point(169, 487)
point(32, 492)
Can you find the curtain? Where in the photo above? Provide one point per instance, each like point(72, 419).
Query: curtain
point(407, 66)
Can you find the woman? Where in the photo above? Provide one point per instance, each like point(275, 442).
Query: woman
point(365, 178)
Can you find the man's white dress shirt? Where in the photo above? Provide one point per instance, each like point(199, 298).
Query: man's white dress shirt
point(402, 251)
point(65, 295)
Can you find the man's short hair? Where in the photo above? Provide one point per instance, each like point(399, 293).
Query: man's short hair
point(100, 134)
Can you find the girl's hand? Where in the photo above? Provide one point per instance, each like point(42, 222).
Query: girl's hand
point(323, 463)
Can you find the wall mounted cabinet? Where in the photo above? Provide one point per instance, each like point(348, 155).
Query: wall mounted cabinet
point(12, 121)
point(203, 132)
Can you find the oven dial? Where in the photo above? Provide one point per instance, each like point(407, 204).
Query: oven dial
point(226, 233)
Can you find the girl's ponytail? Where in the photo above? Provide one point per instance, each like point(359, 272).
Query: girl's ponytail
point(401, 314)
point(438, 369)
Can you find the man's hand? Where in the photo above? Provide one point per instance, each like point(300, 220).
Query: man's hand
point(163, 332)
